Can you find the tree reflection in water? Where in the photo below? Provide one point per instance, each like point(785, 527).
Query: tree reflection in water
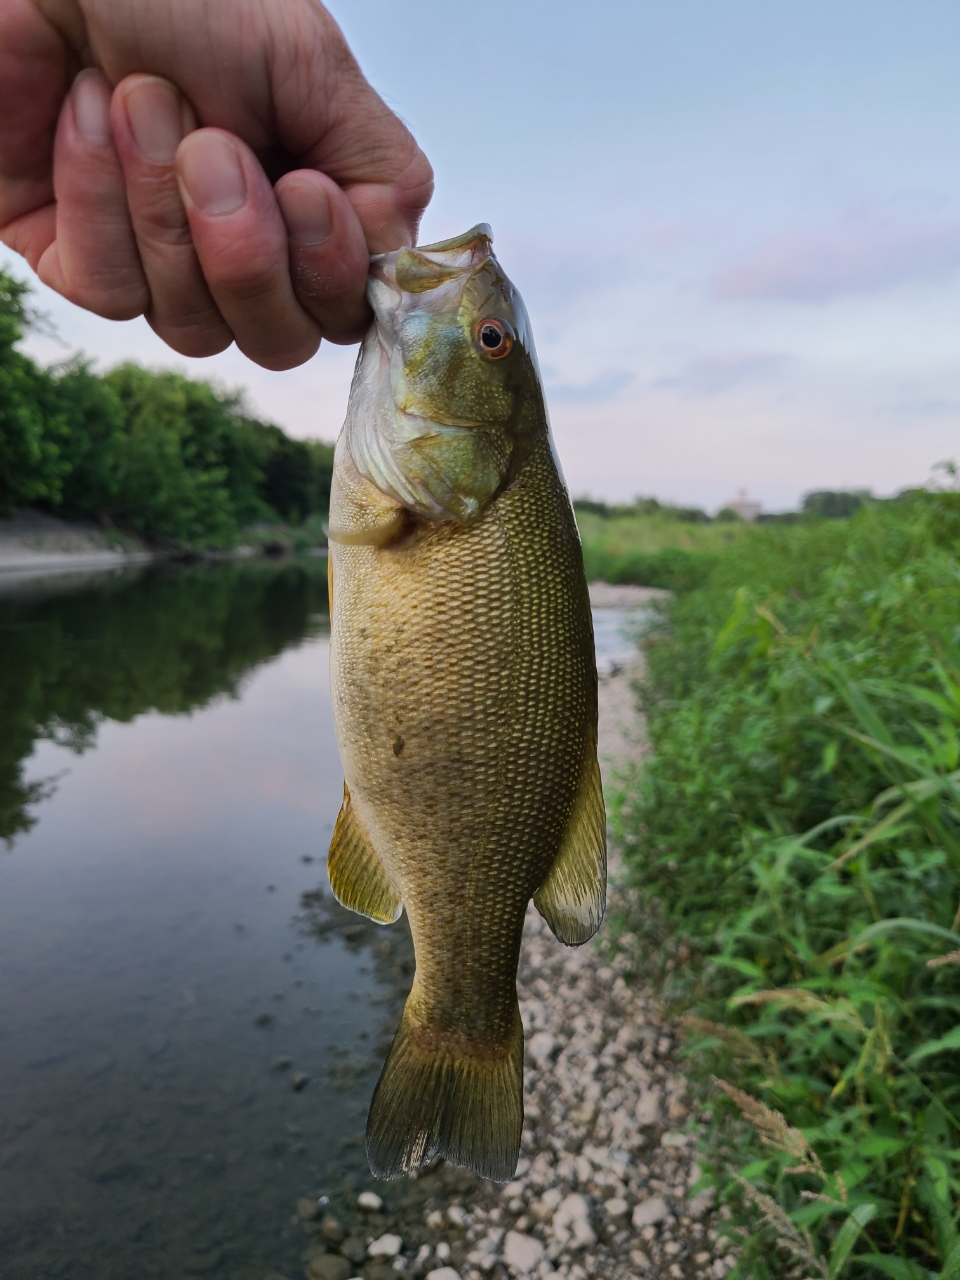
point(77, 651)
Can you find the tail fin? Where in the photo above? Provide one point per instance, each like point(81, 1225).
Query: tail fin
point(442, 1095)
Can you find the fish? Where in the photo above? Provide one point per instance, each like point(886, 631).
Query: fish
point(464, 691)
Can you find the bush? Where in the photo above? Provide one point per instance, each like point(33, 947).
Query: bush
point(834, 505)
point(804, 713)
point(674, 568)
point(176, 461)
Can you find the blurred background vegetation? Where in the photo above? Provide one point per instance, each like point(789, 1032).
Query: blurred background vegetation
point(177, 462)
point(794, 842)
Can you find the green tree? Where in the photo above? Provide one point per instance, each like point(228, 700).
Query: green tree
point(177, 461)
point(31, 468)
point(297, 474)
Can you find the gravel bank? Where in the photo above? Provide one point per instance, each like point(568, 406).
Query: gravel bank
point(604, 1187)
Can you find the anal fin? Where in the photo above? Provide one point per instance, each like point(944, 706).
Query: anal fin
point(356, 876)
point(573, 896)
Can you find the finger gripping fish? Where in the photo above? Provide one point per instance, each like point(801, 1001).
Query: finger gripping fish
point(464, 691)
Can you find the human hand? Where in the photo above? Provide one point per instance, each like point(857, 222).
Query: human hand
point(140, 185)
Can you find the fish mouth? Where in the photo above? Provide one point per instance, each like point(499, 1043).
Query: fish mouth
point(438, 269)
point(481, 232)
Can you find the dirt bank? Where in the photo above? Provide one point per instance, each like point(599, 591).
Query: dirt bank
point(33, 543)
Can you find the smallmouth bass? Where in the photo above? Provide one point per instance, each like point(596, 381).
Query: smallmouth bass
point(464, 691)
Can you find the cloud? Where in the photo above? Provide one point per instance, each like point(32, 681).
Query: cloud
point(712, 375)
point(858, 255)
point(604, 387)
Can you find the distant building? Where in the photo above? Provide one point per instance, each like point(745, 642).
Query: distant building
point(745, 507)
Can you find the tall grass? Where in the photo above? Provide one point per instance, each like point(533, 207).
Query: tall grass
point(795, 840)
point(654, 550)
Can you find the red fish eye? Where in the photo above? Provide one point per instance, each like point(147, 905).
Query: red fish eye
point(494, 338)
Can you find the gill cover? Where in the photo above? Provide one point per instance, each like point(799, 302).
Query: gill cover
point(442, 377)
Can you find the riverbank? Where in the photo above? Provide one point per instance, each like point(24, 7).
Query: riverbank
point(35, 544)
point(605, 1188)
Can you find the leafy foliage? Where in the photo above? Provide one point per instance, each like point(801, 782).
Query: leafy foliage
point(804, 709)
point(651, 545)
point(173, 460)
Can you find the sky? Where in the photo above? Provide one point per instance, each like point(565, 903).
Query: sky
point(736, 227)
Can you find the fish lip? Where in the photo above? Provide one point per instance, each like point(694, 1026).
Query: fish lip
point(481, 231)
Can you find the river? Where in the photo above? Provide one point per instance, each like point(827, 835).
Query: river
point(190, 1027)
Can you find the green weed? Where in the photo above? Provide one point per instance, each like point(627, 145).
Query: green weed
point(804, 710)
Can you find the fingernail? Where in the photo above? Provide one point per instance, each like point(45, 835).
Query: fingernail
point(305, 207)
point(91, 108)
point(156, 119)
point(211, 174)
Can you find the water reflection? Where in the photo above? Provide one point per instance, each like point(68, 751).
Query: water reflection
point(73, 655)
point(179, 1060)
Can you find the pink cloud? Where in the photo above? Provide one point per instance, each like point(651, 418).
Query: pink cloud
point(858, 255)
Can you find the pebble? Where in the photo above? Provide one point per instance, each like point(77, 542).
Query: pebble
point(354, 1248)
point(328, 1266)
point(541, 1047)
point(649, 1212)
point(443, 1273)
point(522, 1252)
point(387, 1246)
point(331, 1229)
point(370, 1201)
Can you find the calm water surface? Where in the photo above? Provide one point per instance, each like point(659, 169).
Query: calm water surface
point(190, 1029)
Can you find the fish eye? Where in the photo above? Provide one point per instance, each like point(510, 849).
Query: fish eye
point(494, 338)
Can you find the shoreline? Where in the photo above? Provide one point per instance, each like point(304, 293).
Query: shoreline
point(36, 545)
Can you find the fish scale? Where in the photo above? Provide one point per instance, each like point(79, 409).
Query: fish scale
point(465, 701)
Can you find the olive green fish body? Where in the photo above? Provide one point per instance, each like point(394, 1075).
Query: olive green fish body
point(465, 700)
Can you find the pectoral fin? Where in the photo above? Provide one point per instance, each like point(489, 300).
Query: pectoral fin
point(356, 876)
point(572, 897)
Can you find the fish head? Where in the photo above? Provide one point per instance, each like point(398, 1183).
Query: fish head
point(446, 380)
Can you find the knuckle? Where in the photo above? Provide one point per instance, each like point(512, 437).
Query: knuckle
point(195, 340)
point(109, 305)
point(162, 222)
point(246, 279)
point(277, 359)
point(115, 295)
